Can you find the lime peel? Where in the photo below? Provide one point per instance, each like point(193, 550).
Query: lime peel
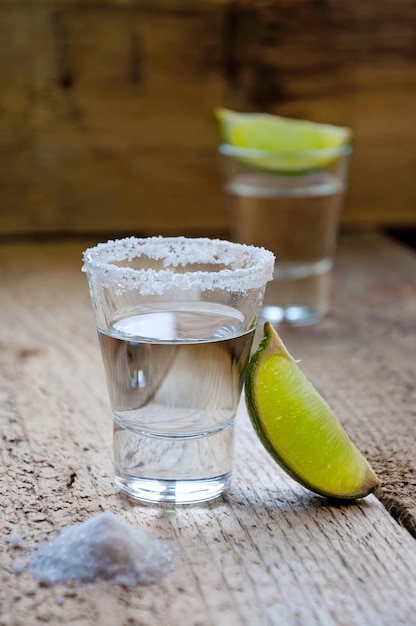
point(298, 428)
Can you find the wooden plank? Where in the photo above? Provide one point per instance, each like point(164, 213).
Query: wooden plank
point(362, 357)
point(268, 552)
point(79, 169)
point(107, 117)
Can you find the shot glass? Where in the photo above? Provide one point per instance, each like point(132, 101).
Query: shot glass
point(175, 318)
point(289, 203)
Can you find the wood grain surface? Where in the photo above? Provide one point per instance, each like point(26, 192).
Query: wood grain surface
point(107, 106)
point(266, 553)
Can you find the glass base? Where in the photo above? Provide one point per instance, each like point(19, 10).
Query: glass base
point(293, 315)
point(173, 491)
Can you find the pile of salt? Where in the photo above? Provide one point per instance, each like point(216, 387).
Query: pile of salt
point(103, 548)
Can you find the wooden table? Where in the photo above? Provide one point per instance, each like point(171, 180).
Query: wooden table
point(268, 552)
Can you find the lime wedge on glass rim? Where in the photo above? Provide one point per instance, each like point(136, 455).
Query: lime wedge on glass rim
point(281, 145)
point(298, 428)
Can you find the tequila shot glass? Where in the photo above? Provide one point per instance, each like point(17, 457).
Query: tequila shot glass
point(295, 214)
point(175, 318)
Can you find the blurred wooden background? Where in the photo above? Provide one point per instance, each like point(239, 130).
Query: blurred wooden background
point(106, 106)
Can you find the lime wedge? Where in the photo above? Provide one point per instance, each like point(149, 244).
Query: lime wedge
point(298, 428)
point(283, 145)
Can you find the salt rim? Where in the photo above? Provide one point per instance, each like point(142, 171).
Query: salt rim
point(249, 267)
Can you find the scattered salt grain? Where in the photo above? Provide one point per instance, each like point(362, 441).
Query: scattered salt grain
point(103, 548)
point(18, 567)
point(16, 541)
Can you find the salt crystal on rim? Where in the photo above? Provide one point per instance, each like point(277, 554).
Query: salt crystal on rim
point(246, 267)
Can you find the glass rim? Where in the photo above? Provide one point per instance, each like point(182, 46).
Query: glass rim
point(227, 149)
point(241, 266)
